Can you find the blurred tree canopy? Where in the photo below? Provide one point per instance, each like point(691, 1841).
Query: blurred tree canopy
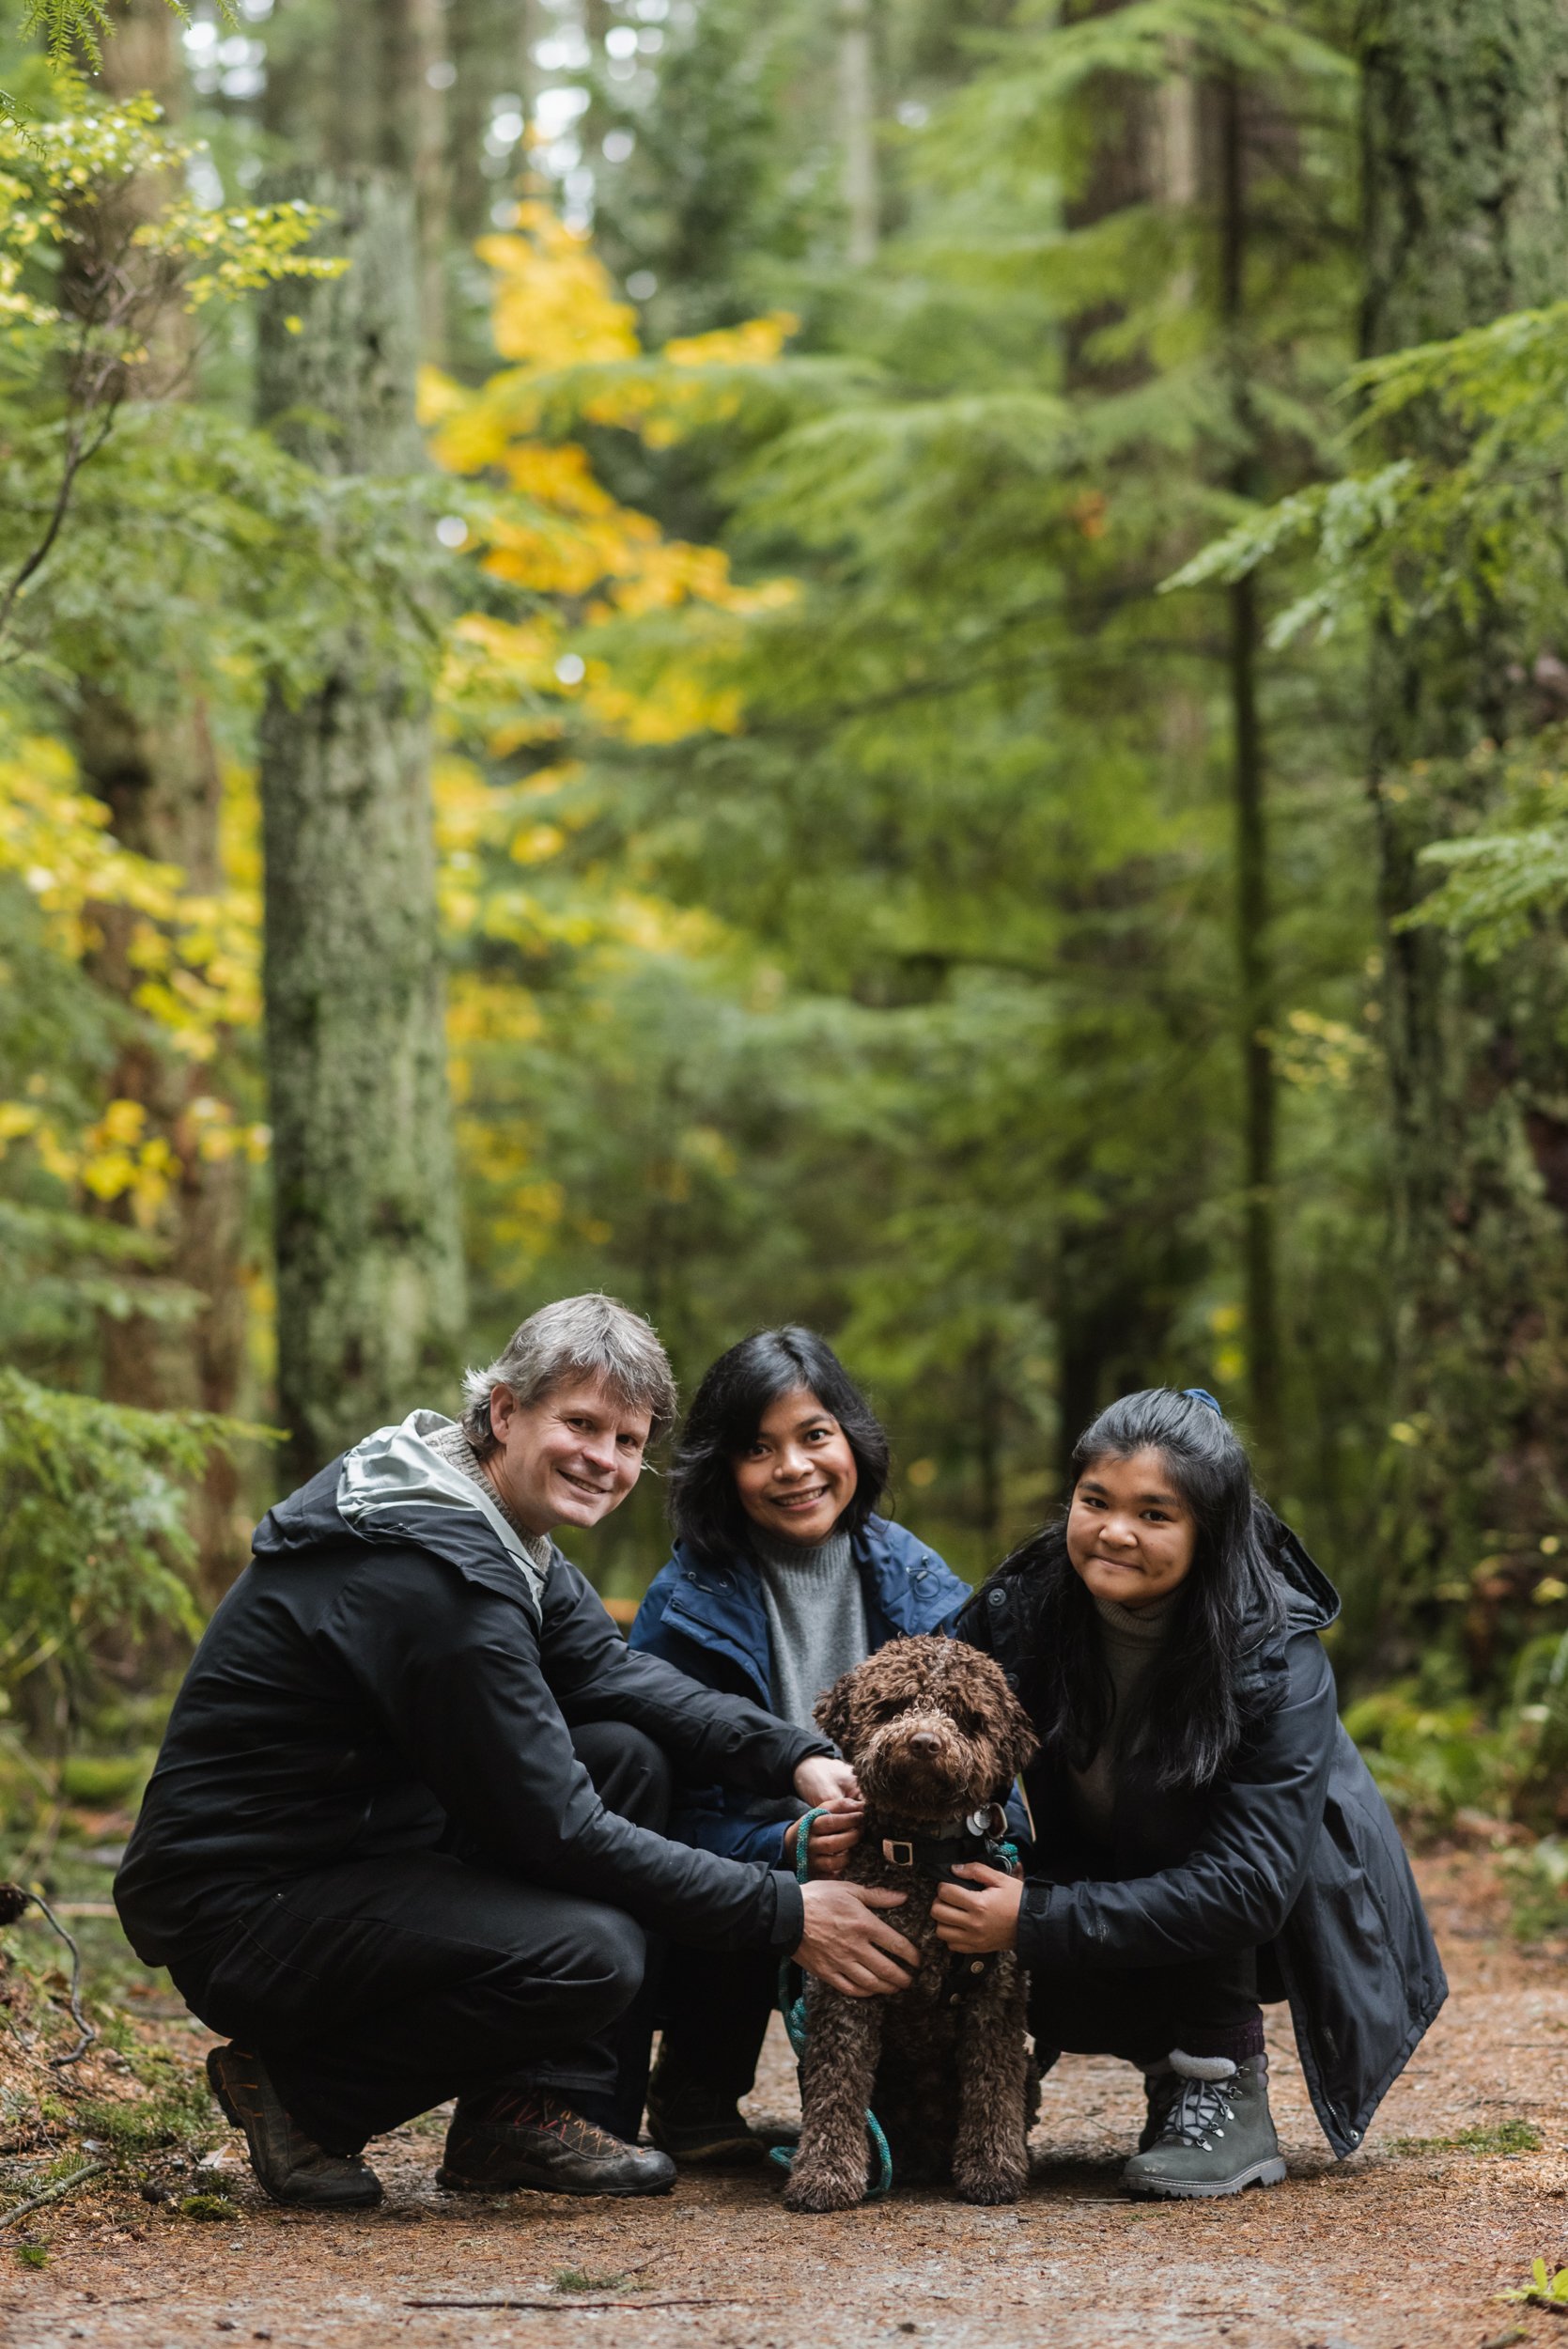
point(914, 540)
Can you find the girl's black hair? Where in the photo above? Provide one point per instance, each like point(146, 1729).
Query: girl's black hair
point(1189, 1716)
point(727, 1410)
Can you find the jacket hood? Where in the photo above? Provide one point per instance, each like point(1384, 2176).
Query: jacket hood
point(1312, 1602)
point(394, 1488)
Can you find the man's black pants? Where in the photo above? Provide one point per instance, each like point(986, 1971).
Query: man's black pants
point(374, 1990)
point(714, 2007)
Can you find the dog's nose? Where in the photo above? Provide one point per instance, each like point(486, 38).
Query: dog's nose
point(925, 1741)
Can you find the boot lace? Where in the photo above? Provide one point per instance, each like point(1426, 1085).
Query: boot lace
point(1201, 2111)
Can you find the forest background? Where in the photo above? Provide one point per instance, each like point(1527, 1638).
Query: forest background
point(896, 664)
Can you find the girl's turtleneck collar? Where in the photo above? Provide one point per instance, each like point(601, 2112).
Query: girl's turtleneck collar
point(1137, 1627)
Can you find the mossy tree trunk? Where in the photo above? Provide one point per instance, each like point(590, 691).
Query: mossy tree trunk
point(154, 767)
point(365, 1208)
point(360, 87)
point(1466, 147)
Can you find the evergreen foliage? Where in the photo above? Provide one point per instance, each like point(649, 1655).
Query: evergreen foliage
point(92, 1530)
point(901, 728)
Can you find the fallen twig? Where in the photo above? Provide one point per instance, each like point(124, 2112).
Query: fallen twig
point(575, 2300)
point(53, 2193)
point(14, 1901)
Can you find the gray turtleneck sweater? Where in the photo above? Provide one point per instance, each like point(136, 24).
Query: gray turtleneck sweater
point(1130, 1639)
point(454, 1447)
point(817, 1628)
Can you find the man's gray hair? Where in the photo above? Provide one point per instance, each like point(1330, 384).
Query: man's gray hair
point(581, 1337)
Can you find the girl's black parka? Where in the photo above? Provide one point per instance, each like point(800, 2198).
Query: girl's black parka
point(1292, 1853)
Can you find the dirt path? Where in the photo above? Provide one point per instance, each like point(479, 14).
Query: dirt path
point(1398, 2247)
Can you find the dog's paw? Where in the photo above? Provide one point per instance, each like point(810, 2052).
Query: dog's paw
point(990, 2182)
point(819, 2190)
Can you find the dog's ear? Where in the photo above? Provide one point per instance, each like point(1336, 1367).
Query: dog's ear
point(834, 1711)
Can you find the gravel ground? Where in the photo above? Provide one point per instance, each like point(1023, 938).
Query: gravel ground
point(1404, 2246)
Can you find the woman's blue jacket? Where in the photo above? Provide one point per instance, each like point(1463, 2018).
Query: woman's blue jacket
point(710, 1620)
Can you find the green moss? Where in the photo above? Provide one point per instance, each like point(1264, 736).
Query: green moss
point(207, 2206)
point(1503, 2136)
point(33, 2254)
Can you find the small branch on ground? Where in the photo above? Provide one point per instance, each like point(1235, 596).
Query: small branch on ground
point(53, 2193)
point(577, 2302)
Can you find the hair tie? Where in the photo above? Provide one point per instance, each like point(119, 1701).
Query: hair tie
point(1202, 1395)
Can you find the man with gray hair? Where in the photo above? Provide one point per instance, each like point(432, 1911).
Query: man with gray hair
point(405, 1834)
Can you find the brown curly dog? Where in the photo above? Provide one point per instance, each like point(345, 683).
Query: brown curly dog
point(936, 1737)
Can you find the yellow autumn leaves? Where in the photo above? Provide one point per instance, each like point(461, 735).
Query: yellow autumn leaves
point(582, 562)
point(195, 958)
point(556, 531)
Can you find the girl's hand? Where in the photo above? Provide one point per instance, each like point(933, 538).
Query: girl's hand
point(985, 1918)
point(834, 1833)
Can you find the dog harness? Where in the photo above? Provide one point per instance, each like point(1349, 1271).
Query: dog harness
point(981, 1836)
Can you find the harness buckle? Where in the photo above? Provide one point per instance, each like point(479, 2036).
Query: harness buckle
point(896, 1853)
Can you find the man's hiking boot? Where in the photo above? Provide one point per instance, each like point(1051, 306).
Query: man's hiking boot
point(702, 2129)
point(511, 2138)
point(1217, 2136)
point(291, 2166)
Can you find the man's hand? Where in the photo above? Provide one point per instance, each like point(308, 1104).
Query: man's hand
point(834, 1833)
point(985, 1919)
point(821, 1779)
point(848, 1946)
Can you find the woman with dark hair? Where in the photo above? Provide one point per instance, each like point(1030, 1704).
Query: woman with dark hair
point(782, 1578)
point(1207, 1838)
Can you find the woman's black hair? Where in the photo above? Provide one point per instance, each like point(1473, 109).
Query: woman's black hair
point(727, 1410)
point(1188, 1715)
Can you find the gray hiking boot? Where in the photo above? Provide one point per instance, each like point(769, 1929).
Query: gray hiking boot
point(1217, 2136)
point(1161, 2087)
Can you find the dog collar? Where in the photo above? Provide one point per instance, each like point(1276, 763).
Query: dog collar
point(981, 1835)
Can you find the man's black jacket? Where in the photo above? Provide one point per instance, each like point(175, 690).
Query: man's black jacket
point(353, 1696)
point(1292, 1854)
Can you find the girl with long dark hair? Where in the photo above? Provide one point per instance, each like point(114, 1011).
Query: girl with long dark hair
point(782, 1578)
point(1206, 1837)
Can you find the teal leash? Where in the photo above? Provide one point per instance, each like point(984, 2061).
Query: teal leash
point(792, 2006)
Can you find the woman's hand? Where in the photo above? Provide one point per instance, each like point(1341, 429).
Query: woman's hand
point(848, 1946)
point(822, 1777)
point(833, 1835)
point(984, 1918)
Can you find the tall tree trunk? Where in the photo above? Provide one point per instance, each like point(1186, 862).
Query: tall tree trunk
point(160, 780)
point(856, 86)
point(1254, 965)
point(156, 771)
point(364, 95)
point(1465, 147)
point(370, 1303)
